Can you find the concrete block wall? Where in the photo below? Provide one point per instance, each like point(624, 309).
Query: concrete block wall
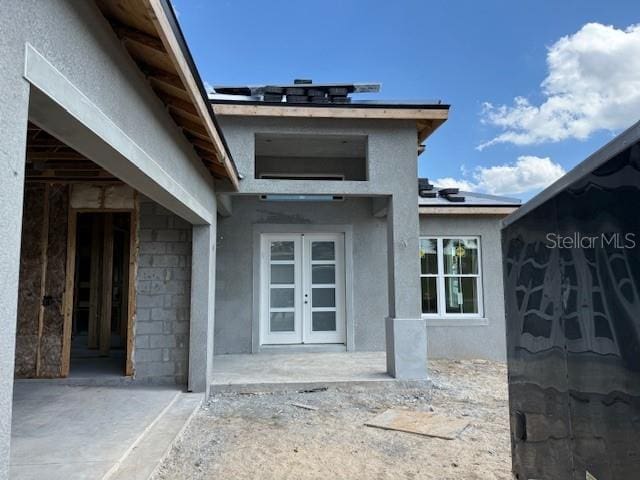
point(163, 291)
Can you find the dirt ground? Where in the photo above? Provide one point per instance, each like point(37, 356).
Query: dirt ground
point(263, 436)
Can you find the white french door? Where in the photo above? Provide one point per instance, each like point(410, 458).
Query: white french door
point(302, 288)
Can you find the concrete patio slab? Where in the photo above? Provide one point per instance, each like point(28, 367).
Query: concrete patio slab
point(288, 371)
point(86, 432)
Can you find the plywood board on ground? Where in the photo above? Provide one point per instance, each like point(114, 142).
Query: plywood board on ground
point(421, 423)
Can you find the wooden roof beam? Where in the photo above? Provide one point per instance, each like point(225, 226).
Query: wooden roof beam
point(377, 112)
point(178, 104)
point(163, 26)
point(129, 34)
point(192, 128)
point(160, 76)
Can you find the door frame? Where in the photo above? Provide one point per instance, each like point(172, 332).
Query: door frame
point(68, 302)
point(258, 231)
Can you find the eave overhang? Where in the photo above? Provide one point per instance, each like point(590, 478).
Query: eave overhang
point(150, 33)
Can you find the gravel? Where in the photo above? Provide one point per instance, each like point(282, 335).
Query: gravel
point(265, 436)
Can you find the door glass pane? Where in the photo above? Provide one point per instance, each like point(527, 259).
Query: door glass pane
point(323, 274)
point(429, 295)
point(282, 250)
point(282, 322)
point(323, 297)
point(322, 251)
point(461, 294)
point(282, 297)
point(429, 255)
point(282, 274)
point(324, 321)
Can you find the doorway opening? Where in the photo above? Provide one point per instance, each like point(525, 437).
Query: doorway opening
point(99, 329)
point(62, 281)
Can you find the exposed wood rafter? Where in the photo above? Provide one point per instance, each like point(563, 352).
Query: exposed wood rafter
point(147, 30)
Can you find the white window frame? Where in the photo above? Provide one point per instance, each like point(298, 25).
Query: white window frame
point(440, 278)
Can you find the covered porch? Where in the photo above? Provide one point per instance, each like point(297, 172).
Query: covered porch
point(64, 432)
point(299, 371)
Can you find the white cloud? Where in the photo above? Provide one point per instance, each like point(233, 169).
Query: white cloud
point(450, 182)
point(593, 83)
point(526, 174)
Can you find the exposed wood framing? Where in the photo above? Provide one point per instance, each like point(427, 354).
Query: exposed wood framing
point(94, 283)
point(330, 112)
point(437, 210)
point(427, 119)
point(131, 285)
point(69, 284)
point(124, 294)
point(51, 161)
point(107, 286)
point(44, 239)
point(100, 307)
point(147, 33)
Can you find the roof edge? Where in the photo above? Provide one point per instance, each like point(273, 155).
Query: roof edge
point(182, 44)
point(363, 105)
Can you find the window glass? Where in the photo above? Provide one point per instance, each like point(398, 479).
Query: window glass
point(468, 256)
point(460, 278)
point(429, 256)
point(461, 294)
point(460, 256)
point(429, 295)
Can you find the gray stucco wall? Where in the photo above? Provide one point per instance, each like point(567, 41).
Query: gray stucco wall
point(76, 39)
point(350, 168)
point(392, 173)
point(391, 154)
point(162, 305)
point(77, 44)
point(235, 266)
point(467, 338)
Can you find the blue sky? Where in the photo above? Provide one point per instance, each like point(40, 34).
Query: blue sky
point(465, 53)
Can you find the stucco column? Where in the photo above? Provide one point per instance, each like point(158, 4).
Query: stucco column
point(406, 332)
point(13, 125)
point(203, 270)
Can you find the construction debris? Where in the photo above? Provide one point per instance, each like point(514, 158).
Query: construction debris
point(313, 390)
point(304, 406)
point(302, 91)
point(422, 423)
point(333, 441)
